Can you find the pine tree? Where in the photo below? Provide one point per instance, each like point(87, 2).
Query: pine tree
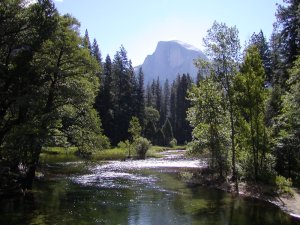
point(158, 99)
point(159, 137)
point(96, 52)
point(288, 16)
point(141, 98)
point(148, 96)
point(166, 101)
point(168, 132)
point(285, 40)
point(86, 41)
point(173, 106)
point(260, 42)
point(182, 128)
point(104, 101)
point(287, 141)
point(150, 131)
point(123, 89)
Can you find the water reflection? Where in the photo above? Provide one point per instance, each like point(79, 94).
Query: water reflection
point(134, 192)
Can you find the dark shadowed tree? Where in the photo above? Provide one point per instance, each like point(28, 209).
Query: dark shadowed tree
point(168, 132)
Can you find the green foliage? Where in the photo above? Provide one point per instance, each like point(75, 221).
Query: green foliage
point(150, 131)
point(95, 51)
point(140, 98)
point(250, 96)
point(179, 104)
point(284, 185)
point(141, 146)
point(287, 141)
point(125, 145)
point(47, 86)
point(173, 143)
point(223, 48)
point(260, 42)
point(104, 99)
point(210, 121)
point(121, 97)
point(151, 115)
point(110, 154)
point(289, 31)
point(134, 128)
point(171, 104)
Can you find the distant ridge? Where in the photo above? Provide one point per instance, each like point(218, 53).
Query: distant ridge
point(169, 59)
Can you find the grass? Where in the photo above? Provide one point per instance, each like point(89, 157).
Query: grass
point(155, 150)
point(108, 154)
point(59, 150)
point(119, 153)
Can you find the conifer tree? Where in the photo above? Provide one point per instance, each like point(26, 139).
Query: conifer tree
point(287, 141)
point(150, 131)
point(168, 132)
point(104, 101)
point(166, 101)
point(140, 101)
point(260, 42)
point(86, 41)
point(96, 52)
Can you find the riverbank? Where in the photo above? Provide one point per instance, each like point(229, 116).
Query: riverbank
point(289, 204)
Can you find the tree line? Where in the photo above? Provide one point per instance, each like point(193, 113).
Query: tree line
point(123, 95)
point(246, 112)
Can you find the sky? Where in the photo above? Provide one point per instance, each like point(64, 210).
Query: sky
point(138, 25)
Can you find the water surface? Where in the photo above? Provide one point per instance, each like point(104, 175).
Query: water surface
point(153, 191)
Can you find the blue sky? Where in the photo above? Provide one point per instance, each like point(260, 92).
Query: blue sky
point(138, 25)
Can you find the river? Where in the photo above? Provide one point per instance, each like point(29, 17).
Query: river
point(151, 191)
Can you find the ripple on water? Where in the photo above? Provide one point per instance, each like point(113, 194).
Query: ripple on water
point(113, 179)
point(124, 174)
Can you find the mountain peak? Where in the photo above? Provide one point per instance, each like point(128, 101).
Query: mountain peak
point(183, 44)
point(169, 59)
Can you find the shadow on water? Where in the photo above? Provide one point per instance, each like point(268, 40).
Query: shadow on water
point(134, 192)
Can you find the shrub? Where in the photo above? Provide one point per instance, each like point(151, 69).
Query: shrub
point(126, 145)
point(141, 145)
point(173, 143)
point(284, 185)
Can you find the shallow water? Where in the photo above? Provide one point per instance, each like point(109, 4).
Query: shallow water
point(153, 191)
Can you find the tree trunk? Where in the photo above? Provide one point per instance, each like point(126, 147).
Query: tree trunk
point(234, 172)
point(29, 178)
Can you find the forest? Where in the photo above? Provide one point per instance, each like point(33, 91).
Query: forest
point(243, 109)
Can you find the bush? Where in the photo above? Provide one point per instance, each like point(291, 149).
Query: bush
point(173, 143)
point(141, 145)
point(284, 185)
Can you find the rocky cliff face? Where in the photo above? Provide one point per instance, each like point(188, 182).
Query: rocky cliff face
point(169, 59)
